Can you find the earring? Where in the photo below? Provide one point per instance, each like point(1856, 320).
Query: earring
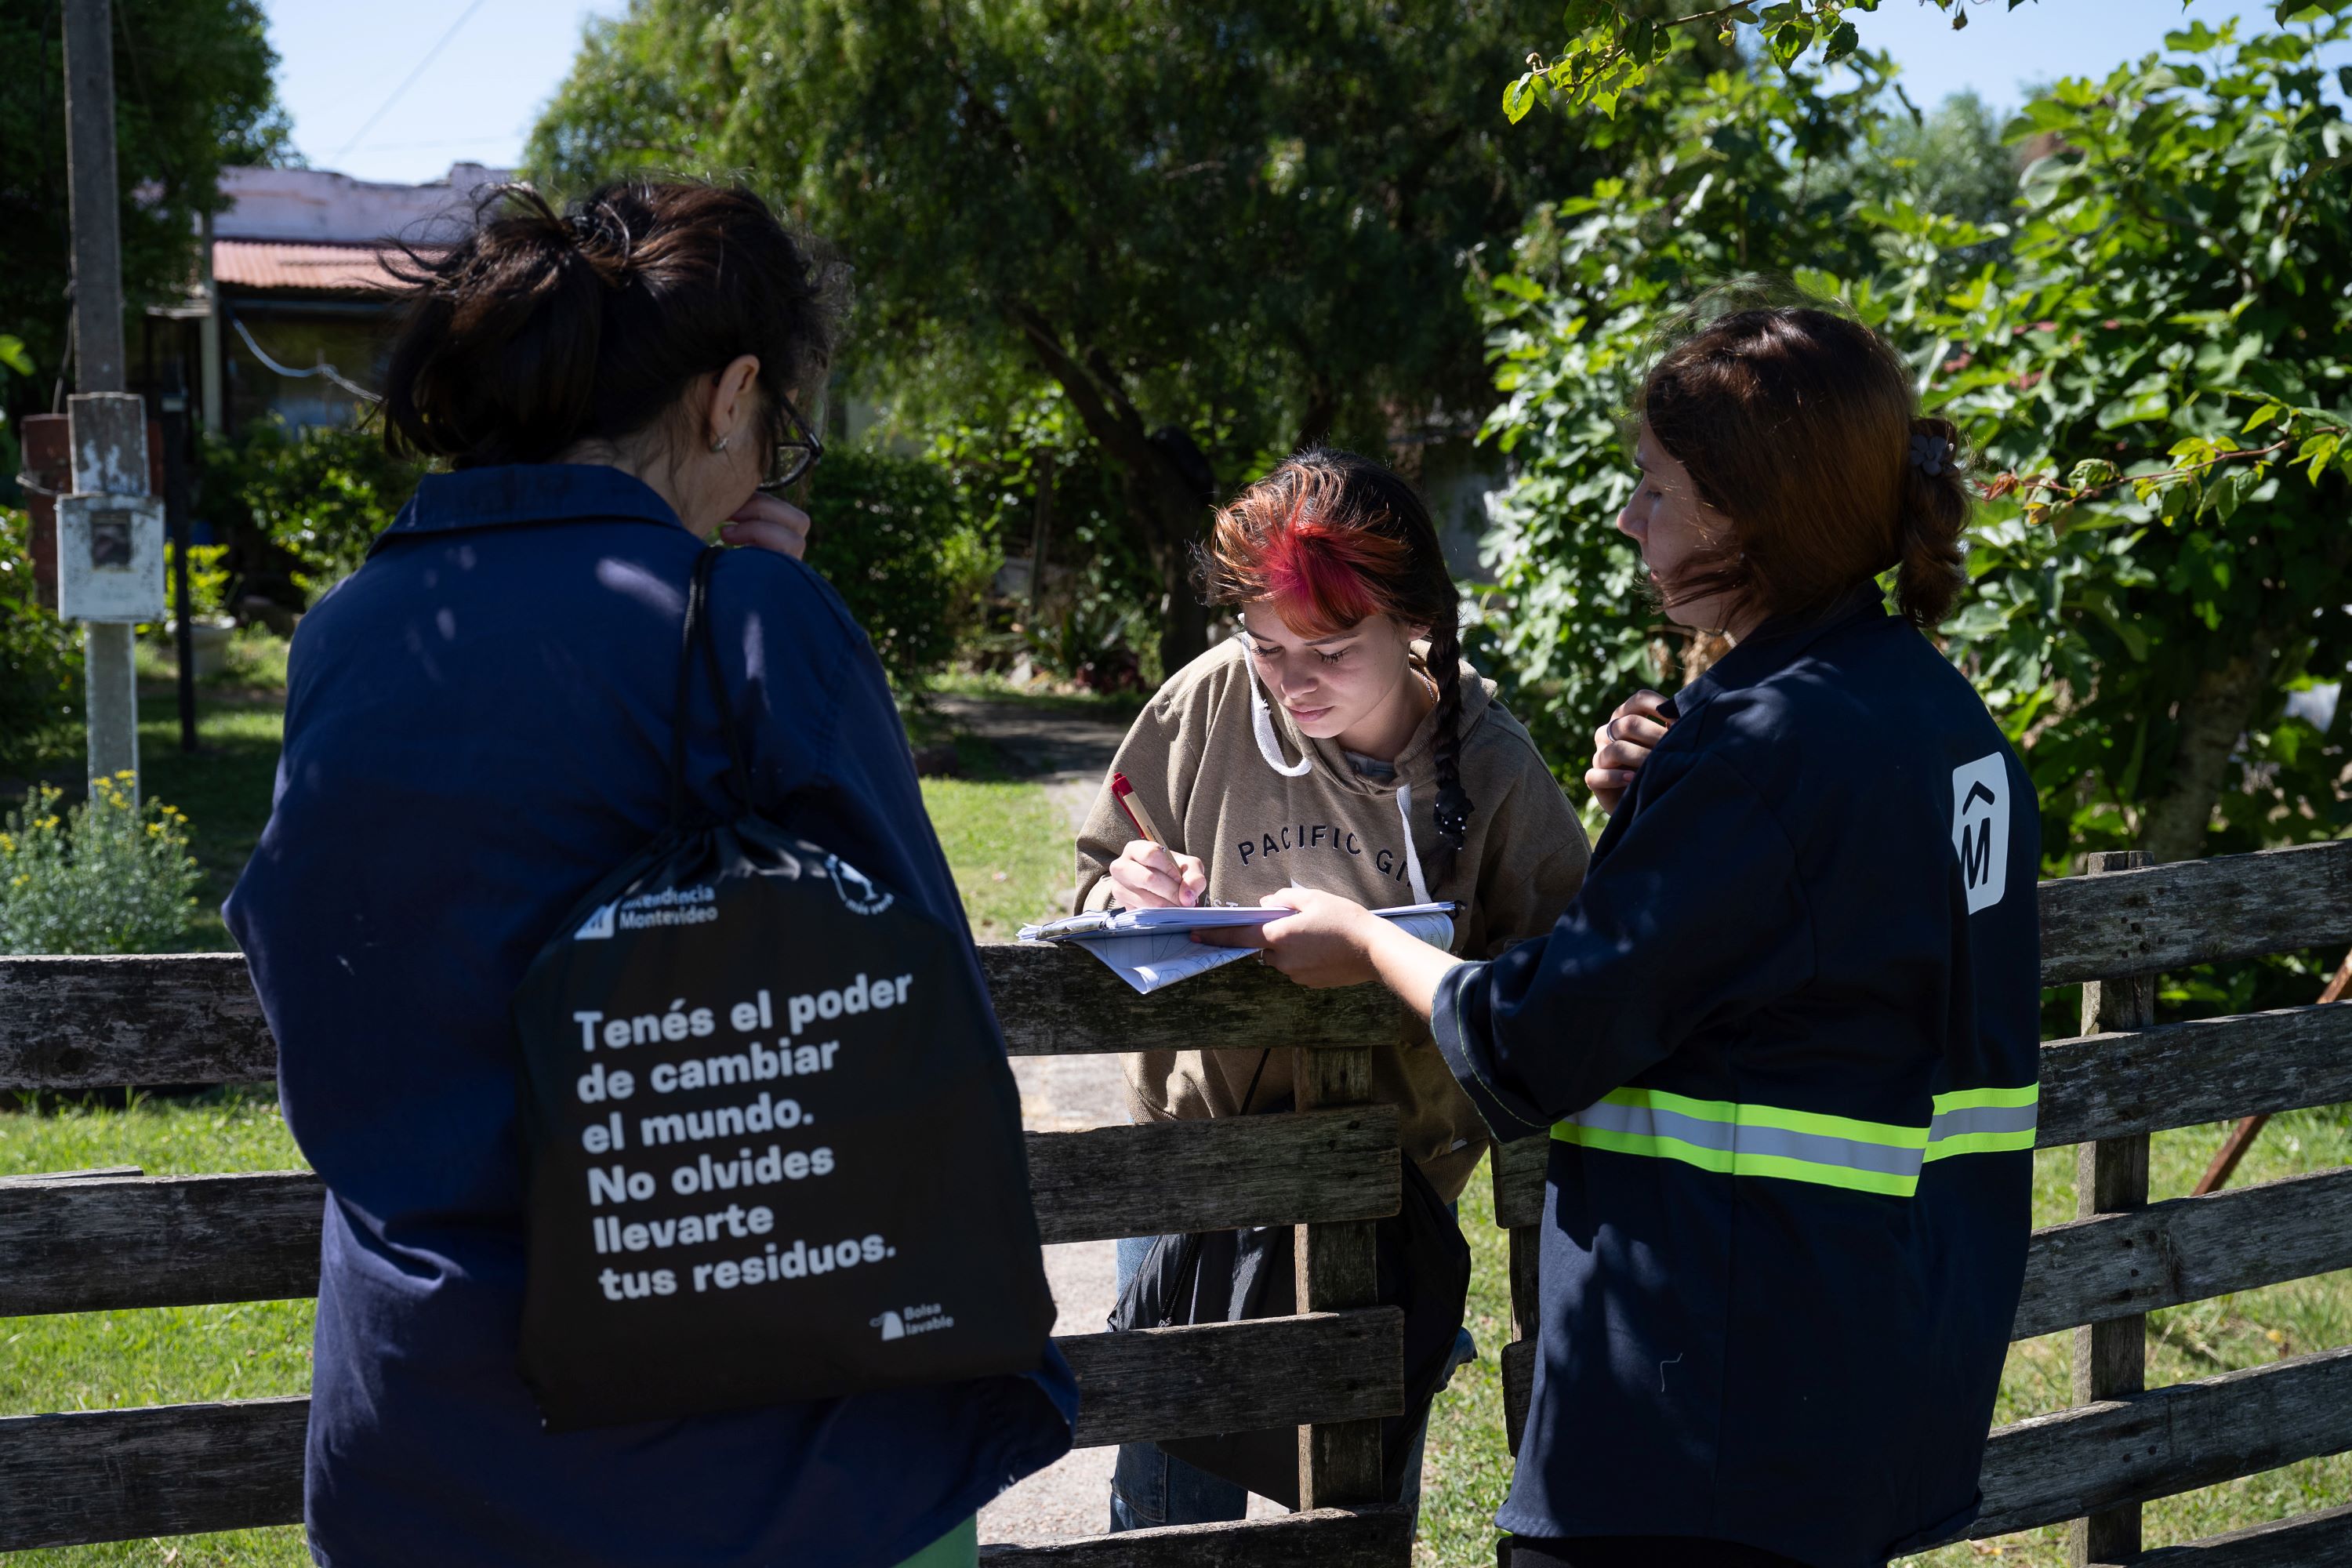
point(719, 445)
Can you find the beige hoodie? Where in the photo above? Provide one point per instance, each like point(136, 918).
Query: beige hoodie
point(1228, 777)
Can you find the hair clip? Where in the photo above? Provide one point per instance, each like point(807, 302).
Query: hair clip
point(1931, 455)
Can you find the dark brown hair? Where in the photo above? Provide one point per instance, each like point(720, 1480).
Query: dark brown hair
point(1331, 538)
point(1802, 429)
point(541, 330)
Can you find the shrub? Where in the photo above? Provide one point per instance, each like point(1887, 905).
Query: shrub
point(104, 875)
point(889, 535)
point(40, 665)
point(299, 508)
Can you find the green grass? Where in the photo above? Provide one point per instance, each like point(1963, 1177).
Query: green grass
point(1008, 848)
point(95, 1361)
point(225, 787)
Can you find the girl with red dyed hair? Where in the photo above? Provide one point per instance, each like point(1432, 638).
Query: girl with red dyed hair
point(1335, 742)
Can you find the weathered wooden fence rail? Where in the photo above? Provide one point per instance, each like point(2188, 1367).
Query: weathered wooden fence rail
point(90, 1241)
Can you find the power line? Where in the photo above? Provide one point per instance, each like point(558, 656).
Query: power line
point(410, 80)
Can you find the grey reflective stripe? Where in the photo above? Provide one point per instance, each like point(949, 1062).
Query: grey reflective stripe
point(1744, 1138)
point(1981, 1119)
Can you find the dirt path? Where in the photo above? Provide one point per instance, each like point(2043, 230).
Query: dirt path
point(1067, 754)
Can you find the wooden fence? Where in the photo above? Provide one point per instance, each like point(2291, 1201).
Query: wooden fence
point(88, 1242)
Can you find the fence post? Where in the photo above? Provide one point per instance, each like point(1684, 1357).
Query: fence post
point(2111, 1177)
point(1338, 1463)
point(1515, 1168)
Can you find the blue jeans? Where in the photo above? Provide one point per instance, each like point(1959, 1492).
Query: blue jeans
point(1148, 1488)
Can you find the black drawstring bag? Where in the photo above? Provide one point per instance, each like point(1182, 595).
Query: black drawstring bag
point(774, 1144)
point(1422, 1266)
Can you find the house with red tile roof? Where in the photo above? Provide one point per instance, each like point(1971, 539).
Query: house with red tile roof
point(290, 315)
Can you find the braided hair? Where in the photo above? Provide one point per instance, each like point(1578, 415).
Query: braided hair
point(1332, 538)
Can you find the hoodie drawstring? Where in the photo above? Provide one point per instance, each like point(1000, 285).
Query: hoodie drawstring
point(1270, 748)
point(1412, 855)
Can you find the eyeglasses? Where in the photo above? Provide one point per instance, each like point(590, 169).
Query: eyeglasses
point(797, 451)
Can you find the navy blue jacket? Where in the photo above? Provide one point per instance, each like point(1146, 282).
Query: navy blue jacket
point(1785, 1041)
point(478, 729)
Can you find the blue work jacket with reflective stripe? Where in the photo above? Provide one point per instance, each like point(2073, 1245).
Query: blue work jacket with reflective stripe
point(478, 730)
point(1784, 1044)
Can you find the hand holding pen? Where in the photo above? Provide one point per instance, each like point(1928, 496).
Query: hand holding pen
point(1148, 874)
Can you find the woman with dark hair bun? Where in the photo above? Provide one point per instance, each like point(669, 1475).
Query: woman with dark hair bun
point(479, 729)
point(1785, 1041)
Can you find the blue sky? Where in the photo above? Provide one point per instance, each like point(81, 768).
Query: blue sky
point(2040, 41)
point(475, 98)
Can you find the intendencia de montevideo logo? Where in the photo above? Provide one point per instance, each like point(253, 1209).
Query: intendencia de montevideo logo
point(670, 907)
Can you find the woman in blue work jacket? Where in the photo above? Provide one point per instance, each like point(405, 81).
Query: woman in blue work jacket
point(1784, 1040)
point(478, 730)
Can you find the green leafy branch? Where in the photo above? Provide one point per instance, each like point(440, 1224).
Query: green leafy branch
point(1611, 50)
point(2181, 493)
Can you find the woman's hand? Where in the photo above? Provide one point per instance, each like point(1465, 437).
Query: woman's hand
point(766, 523)
point(1620, 746)
point(1152, 877)
point(1328, 943)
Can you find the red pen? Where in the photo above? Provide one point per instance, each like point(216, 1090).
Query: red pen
point(1123, 792)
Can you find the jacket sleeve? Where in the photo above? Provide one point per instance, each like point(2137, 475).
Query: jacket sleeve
point(1694, 917)
point(1151, 756)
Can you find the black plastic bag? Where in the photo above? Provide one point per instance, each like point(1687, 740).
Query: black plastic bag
point(774, 1146)
point(1228, 1276)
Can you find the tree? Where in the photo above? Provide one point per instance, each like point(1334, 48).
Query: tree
point(2149, 357)
point(192, 94)
point(1614, 46)
point(1742, 173)
point(2160, 382)
point(1221, 230)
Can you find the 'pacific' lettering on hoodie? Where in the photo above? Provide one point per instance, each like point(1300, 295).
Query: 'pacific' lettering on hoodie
point(1315, 836)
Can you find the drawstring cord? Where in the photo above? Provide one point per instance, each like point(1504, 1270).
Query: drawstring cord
point(1270, 748)
point(1412, 854)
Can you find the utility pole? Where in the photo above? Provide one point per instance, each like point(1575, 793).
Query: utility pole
point(109, 426)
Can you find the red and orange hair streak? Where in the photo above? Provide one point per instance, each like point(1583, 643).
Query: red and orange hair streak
point(1328, 539)
point(1316, 553)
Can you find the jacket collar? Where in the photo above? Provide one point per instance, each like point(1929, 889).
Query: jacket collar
point(527, 493)
point(1778, 643)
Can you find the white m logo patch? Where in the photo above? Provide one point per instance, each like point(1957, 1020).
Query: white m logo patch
point(1980, 810)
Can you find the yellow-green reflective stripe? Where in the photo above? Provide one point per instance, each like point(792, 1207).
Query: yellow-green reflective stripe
point(1965, 1098)
point(1737, 1163)
point(1984, 1121)
point(1980, 1143)
point(1893, 1134)
point(1753, 1139)
point(1737, 1139)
